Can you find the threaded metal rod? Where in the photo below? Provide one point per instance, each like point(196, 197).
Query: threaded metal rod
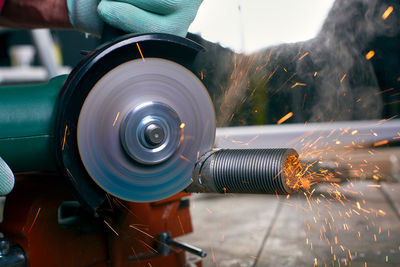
point(259, 171)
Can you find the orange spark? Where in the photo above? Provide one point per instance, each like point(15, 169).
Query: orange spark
point(385, 120)
point(370, 55)
point(391, 103)
point(180, 223)
point(140, 51)
point(291, 77)
point(304, 101)
point(148, 246)
point(303, 56)
point(354, 132)
point(384, 91)
point(344, 77)
point(387, 12)
point(251, 140)
point(285, 118)
point(65, 137)
point(70, 174)
point(143, 232)
point(381, 143)
point(34, 220)
point(298, 84)
point(184, 158)
point(112, 229)
point(116, 118)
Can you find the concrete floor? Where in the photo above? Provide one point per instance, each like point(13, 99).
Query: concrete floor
point(355, 224)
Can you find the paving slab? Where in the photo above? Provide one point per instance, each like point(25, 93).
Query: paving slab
point(230, 228)
point(351, 224)
point(392, 192)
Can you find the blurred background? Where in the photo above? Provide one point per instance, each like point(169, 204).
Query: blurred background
point(317, 60)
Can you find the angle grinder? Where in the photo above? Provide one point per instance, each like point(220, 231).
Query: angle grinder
point(133, 121)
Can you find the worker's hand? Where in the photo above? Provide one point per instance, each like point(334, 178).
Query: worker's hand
point(6, 178)
point(140, 16)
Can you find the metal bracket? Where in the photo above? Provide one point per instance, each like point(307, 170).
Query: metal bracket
point(166, 242)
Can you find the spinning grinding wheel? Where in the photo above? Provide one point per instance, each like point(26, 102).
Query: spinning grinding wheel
point(141, 129)
point(134, 126)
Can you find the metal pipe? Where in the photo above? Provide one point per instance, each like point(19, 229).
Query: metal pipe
point(259, 171)
point(298, 135)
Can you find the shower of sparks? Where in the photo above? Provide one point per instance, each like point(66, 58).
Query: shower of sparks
point(331, 203)
point(285, 118)
point(387, 12)
point(339, 202)
point(296, 178)
point(140, 51)
point(370, 55)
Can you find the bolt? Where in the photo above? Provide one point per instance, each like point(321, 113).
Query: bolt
point(154, 134)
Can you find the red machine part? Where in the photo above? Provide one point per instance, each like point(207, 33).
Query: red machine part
point(129, 239)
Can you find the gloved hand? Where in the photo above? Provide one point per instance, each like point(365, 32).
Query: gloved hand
point(6, 178)
point(140, 16)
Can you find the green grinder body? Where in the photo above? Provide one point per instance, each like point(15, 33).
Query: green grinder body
point(27, 119)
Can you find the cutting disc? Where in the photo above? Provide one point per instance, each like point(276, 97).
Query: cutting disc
point(131, 99)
